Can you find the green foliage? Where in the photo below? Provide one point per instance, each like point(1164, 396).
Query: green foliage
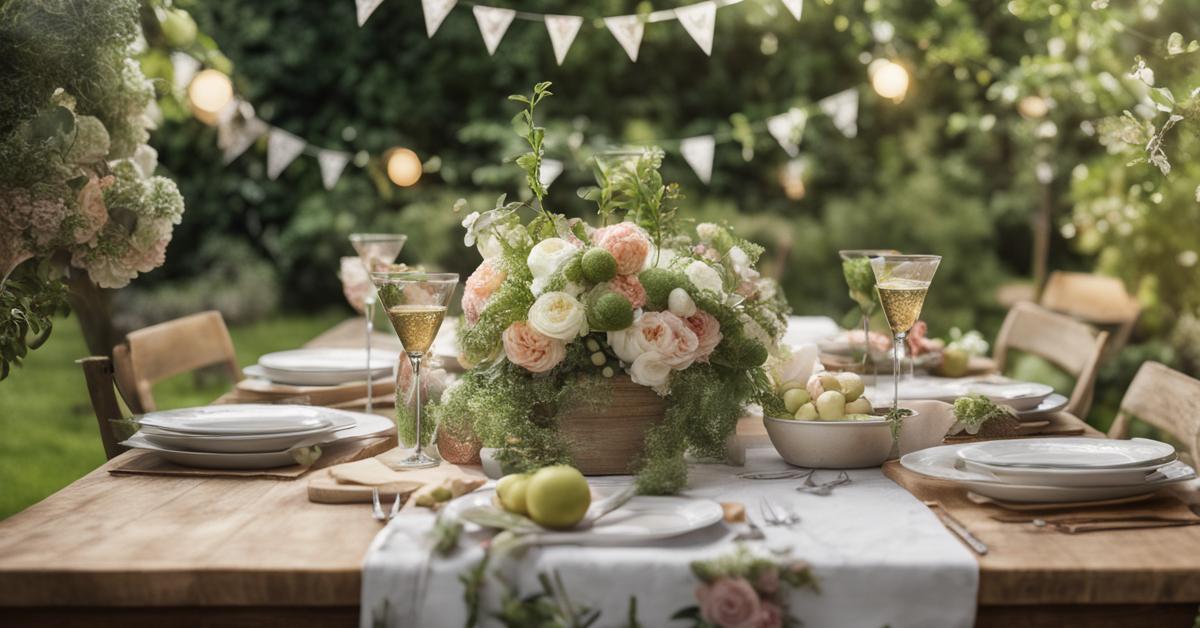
point(30, 298)
point(975, 410)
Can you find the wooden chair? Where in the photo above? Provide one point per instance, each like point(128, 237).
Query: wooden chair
point(1167, 400)
point(1065, 342)
point(158, 352)
point(1095, 299)
point(99, 375)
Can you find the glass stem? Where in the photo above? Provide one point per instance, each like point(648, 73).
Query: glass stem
point(370, 312)
point(866, 324)
point(899, 342)
point(416, 364)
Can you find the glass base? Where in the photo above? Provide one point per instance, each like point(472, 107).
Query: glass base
point(417, 460)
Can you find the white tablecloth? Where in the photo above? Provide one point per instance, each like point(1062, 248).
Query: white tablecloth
point(880, 557)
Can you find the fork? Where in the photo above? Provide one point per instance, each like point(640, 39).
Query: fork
point(773, 517)
point(377, 508)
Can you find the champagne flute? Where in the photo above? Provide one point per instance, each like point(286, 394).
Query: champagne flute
point(376, 251)
point(902, 282)
point(856, 268)
point(415, 303)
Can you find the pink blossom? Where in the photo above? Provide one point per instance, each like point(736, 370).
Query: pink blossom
point(479, 288)
point(356, 284)
point(879, 342)
point(531, 350)
point(627, 243)
point(92, 211)
point(706, 252)
point(707, 331)
point(917, 342)
point(730, 603)
point(629, 287)
point(767, 581)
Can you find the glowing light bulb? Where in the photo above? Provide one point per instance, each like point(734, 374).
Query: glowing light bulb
point(889, 79)
point(1033, 107)
point(403, 167)
point(210, 91)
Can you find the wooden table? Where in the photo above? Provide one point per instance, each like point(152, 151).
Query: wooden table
point(155, 551)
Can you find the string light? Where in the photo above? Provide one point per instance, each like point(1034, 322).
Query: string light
point(403, 167)
point(210, 91)
point(889, 79)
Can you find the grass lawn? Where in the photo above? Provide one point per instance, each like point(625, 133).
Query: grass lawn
point(50, 437)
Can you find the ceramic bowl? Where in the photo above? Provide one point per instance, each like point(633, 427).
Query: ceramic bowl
point(832, 444)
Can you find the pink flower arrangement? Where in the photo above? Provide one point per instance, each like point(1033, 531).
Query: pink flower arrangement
point(707, 331)
point(743, 590)
point(729, 603)
point(531, 350)
point(479, 288)
point(629, 287)
point(627, 243)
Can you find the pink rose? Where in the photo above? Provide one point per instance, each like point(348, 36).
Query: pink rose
point(629, 287)
point(767, 582)
point(707, 331)
point(770, 616)
point(479, 288)
point(531, 350)
point(356, 285)
point(627, 244)
point(706, 252)
point(730, 603)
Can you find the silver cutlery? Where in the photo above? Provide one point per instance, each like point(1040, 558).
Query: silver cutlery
point(753, 533)
point(789, 474)
point(954, 525)
point(783, 516)
point(377, 508)
point(812, 488)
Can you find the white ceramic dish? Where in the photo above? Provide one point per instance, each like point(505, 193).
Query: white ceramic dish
point(242, 419)
point(643, 518)
point(831, 444)
point(1052, 403)
point(250, 443)
point(323, 367)
point(1038, 476)
point(1016, 395)
point(1069, 453)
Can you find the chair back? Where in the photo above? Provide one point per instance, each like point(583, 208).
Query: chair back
point(1065, 342)
point(1166, 399)
point(158, 352)
point(1095, 299)
point(99, 375)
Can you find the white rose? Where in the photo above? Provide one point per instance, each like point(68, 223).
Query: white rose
point(649, 369)
point(627, 343)
point(558, 315)
point(704, 277)
point(740, 261)
point(680, 303)
point(707, 231)
point(549, 255)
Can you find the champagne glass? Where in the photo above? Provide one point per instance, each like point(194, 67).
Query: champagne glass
point(415, 303)
point(376, 251)
point(856, 268)
point(902, 282)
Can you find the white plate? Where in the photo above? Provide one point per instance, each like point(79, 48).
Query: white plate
point(363, 426)
point(328, 360)
point(940, 463)
point(1016, 395)
point(1038, 476)
point(247, 419)
point(1052, 403)
point(1069, 453)
point(643, 518)
point(251, 443)
point(1020, 396)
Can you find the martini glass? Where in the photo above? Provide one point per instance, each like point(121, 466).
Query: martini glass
point(415, 303)
point(856, 268)
point(376, 251)
point(902, 282)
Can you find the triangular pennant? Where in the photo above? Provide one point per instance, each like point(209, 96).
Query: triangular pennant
point(628, 30)
point(282, 149)
point(698, 152)
point(788, 128)
point(183, 69)
point(795, 7)
point(365, 9)
point(562, 29)
point(842, 109)
point(332, 163)
point(435, 13)
point(699, 20)
point(551, 168)
point(493, 23)
point(237, 135)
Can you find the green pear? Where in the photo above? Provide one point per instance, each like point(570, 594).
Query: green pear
point(831, 405)
point(558, 497)
point(852, 385)
point(795, 398)
point(862, 405)
point(807, 412)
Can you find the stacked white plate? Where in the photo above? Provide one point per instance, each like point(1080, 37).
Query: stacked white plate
point(1054, 469)
point(249, 436)
point(1029, 399)
point(323, 367)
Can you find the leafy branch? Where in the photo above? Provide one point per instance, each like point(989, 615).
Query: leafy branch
point(535, 135)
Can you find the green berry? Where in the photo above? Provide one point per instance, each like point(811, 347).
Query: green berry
point(599, 265)
point(592, 345)
point(598, 359)
point(658, 283)
point(609, 311)
point(607, 372)
point(441, 494)
point(573, 269)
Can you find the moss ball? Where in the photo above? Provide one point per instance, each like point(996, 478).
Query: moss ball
point(599, 265)
point(573, 269)
point(609, 311)
point(742, 352)
point(658, 283)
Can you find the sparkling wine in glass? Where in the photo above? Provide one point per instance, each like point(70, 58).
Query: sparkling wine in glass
point(860, 279)
point(415, 303)
point(376, 251)
point(902, 282)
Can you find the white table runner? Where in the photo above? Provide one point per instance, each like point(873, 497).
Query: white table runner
point(879, 555)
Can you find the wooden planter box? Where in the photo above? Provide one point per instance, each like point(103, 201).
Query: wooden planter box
point(609, 440)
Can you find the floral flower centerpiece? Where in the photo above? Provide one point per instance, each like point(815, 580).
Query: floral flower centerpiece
point(562, 312)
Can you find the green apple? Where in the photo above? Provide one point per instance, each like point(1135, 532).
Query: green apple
point(955, 363)
point(512, 490)
point(852, 385)
point(807, 412)
point(558, 497)
point(830, 381)
point(831, 405)
point(795, 398)
point(862, 405)
point(178, 28)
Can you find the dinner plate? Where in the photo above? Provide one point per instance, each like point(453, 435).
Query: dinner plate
point(1052, 403)
point(1069, 453)
point(239, 444)
point(328, 360)
point(1066, 477)
point(642, 518)
point(1016, 395)
point(246, 419)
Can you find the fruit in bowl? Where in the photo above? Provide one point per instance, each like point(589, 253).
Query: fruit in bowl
point(829, 397)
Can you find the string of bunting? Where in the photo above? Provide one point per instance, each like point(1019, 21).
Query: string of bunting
point(699, 20)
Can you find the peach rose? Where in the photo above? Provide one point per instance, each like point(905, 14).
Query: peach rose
point(627, 244)
point(531, 350)
point(661, 333)
point(629, 287)
point(729, 603)
point(91, 208)
point(708, 333)
point(479, 288)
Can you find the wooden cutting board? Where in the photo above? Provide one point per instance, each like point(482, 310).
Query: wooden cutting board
point(323, 489)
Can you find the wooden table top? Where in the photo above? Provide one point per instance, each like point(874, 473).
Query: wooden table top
point(143, 541)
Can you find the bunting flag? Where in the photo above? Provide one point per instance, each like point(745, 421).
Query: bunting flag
point(493, 23)
point(183, 69)
point(332, 163)
point(562, 29)
point(435, 13)
point(842, 109)
point(365, 8)
point(795, 7)
point(282, 149)
point(628, 30)
point(550, 170)
point(239, 131)
point(699, 20)
point(698, 152)
point(787, 129)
